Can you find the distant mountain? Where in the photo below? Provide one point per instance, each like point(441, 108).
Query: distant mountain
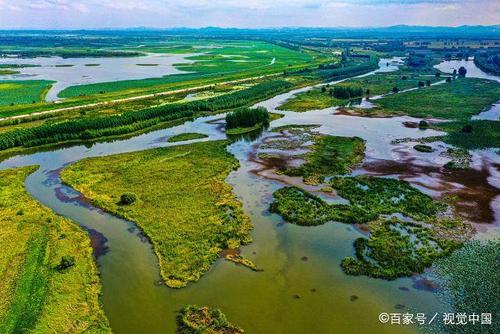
point(391, 32)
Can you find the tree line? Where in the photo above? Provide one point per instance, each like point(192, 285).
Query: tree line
point(339, 71)
point(132, 121)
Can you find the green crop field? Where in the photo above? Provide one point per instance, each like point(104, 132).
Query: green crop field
point(220, 61)
point(23, 91)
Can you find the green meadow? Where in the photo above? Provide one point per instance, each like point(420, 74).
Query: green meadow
point(459, 99)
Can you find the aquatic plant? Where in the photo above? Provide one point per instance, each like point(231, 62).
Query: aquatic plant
point(423, 148)
point(329, 155)
point(470, 279)
point(396, 249)
point(369, 198)
point(193, 319)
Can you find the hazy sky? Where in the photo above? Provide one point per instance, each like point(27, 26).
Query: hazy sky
point(243, 13)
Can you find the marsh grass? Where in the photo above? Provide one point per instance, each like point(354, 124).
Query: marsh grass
point(193, 319)
point(183, 204)
point(311, 100)
point(34, 295)
point(484, 134)
point(369, 198)
point(186, 136)
point(329, 155)
point(396, 249)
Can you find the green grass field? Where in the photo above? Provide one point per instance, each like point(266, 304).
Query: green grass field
point(23, 91)
point(376, 84)
point(221, 61)
point(35, 297)
point(311, 100)
point(484, 134)
point(459, 99)
point(183, 204)
point(383, 83)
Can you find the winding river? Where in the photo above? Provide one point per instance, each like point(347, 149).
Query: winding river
point(302, 288)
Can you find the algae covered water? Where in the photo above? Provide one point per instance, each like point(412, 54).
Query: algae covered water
point(301, 289)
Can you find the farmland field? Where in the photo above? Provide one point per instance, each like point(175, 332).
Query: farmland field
point(22, 92)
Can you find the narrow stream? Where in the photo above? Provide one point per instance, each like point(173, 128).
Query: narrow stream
point(302, 288)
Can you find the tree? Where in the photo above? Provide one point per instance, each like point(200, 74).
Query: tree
point(462, 71)
point(323, 89)
point(438, 74)
point(448, 79)
point(421, 84)
point(395, 89)
point(368, 92)
point(467, 128)
point(428, 83)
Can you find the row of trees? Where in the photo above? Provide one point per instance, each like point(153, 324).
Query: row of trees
point(246, 117)
point(338, 70)
point(132, 121)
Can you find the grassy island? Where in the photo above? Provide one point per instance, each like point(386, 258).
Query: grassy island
point(196, 320)
point(397, 249)
point(311, 100)
point(369, 198)
point(186, 136)
point(246, 120)
point(329, 155)
point(181, 202)
point(49, 279)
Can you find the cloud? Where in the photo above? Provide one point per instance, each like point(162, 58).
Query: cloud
point(243, 13)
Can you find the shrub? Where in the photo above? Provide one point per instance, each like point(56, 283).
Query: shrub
point(423, 124)
point(127, 198)
point(462, 71)
point(67, 261)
